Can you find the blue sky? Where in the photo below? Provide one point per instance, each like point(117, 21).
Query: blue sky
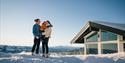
point(67, 17)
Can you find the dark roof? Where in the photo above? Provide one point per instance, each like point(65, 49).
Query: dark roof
point(116, 28)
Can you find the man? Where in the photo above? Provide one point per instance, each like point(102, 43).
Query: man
point(36, 33)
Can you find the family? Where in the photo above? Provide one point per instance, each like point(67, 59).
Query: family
point(42, 33)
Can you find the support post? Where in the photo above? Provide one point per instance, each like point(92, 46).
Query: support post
point(85, 50)
point(119, 43)
point(99, 42)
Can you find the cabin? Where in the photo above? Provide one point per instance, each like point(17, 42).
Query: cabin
point(101, 37)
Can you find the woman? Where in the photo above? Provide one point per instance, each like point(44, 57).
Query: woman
point(47, 35)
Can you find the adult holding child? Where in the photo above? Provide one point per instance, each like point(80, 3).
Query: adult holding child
point(47, 27)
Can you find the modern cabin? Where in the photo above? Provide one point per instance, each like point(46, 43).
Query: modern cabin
point(101, 37)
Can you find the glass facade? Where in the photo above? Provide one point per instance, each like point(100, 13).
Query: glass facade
point(108, 36)
point(109, 48)
point(92, 38)
point(92, 48)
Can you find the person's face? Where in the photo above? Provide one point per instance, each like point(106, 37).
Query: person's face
point(47, 23)
point(38, 22)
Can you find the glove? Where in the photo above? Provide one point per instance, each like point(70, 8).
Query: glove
point(37, 37)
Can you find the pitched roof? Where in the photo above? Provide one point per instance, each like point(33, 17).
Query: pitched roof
point(95, 26)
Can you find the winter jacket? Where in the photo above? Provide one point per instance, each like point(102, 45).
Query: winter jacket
point(47, 32)
point(36, 30)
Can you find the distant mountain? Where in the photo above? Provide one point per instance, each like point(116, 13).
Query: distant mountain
point(18, 49)
point(57, 49)
point(64, 48)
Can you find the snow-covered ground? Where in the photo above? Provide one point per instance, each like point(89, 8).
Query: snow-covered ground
point(26, 57)
point(105, 58)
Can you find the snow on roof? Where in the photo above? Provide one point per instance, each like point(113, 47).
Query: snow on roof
point(113, 25)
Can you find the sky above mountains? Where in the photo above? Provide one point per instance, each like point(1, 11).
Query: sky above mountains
point(67, 16)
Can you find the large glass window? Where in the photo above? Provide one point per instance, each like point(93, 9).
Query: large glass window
point(109, 48)
point(107, 36)
point(92, 48)
point(92, 38)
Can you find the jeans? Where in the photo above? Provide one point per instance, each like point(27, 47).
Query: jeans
point(45, 48)
point(36, 45)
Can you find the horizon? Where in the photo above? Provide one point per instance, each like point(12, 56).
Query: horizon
point(66, 16)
